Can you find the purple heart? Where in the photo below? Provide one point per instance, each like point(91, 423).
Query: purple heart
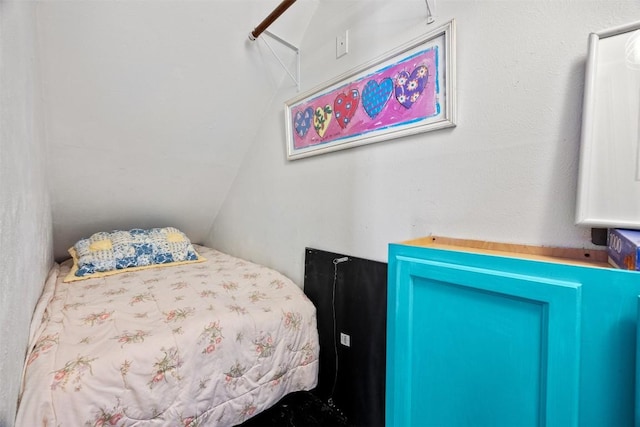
point(409, 87)
point(375, 96)
point(302, 121)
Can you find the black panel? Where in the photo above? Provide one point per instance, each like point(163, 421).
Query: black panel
point(599, 236)
point(360, 311)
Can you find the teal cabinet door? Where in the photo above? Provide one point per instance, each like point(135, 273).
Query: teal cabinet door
point(478, 340)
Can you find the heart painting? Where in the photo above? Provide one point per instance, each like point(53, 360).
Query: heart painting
point(345, 106)
point(376, 95)
point(406, 91)
point(302, 121)
point(410, 86)
point(321, 119)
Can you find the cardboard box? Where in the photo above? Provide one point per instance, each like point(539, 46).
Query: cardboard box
point(623, 248)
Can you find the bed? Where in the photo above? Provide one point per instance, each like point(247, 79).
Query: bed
point(211, 341)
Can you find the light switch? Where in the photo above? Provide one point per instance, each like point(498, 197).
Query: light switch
point(342, 44)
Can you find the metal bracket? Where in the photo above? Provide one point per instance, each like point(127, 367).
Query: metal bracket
point(296, 79)
point(430, 18)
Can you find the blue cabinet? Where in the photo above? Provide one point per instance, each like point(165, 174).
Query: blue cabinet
point(495, 338)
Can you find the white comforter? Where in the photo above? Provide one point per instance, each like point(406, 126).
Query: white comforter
point(208, 344)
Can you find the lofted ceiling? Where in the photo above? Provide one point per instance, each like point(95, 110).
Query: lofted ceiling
point(150, 107)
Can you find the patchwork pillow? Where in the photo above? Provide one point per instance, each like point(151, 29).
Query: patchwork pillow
point(107, 253)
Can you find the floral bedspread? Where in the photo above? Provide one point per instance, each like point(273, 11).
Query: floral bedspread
point(208, 344)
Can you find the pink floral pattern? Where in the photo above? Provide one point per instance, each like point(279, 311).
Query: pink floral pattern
point(212, 335)
point(168, 364)
point(189, 422)
point(43, 345)
point(264, 345)
point(292, 320)
point(131, 337)
point(73, 371)
point(107, 417)
point(178, 314)
point(156, 344)
point(98, 318)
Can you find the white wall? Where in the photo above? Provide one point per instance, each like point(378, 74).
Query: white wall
point(506, 173)
point(25, 214)
point(150, 107)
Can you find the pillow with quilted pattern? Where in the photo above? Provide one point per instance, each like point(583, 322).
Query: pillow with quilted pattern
point(107, 253)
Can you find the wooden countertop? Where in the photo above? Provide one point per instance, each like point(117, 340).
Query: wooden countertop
point(588, 257)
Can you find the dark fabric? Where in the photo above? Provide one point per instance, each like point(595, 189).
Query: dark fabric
point(301, 409)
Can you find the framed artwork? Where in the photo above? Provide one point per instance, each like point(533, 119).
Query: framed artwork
point(609, 174)
point(406, 91)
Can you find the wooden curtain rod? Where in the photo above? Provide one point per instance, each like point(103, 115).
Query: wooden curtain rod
point(270, 19)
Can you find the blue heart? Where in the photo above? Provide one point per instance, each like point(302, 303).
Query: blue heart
point(302, 121)
point(375, 96)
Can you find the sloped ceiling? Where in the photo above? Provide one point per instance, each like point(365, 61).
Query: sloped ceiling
point(150, 107)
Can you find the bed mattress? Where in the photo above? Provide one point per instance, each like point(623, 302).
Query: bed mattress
point(206, 344)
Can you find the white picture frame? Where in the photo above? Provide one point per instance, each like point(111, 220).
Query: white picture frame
point(608, 193)
point(385, 110)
